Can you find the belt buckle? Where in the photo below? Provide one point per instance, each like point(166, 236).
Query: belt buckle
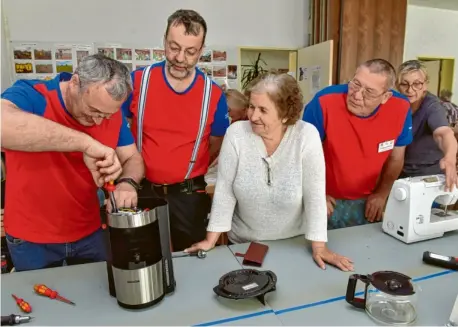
point(188, 186)
point(164, 189)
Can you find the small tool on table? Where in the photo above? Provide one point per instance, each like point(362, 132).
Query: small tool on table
point(443, 261)
point(201, 254)
point(110, 187)
point(45, 291)
point(25, 307)
point(12, 320)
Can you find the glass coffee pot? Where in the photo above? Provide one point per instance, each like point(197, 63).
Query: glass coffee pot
point(389, 297)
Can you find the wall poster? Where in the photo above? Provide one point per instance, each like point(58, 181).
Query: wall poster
point(35, 60)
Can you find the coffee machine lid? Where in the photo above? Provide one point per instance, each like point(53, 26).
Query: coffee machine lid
point(131, 217)
point(246, 283)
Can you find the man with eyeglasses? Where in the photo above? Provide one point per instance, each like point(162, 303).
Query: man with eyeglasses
point(365, 127)
point(62, 139)
point(179, 117)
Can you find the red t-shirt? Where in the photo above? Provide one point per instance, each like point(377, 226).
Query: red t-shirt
point(51, 196)
point(356, 148)
point(171, 123)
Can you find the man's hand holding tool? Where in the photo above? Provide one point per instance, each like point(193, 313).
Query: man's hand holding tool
point(110, 187)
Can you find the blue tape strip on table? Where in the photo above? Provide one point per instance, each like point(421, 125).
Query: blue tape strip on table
point(309, 305)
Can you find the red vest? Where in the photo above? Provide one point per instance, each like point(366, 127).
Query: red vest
point(170, 127)
point(51, 196)
point(351, 147)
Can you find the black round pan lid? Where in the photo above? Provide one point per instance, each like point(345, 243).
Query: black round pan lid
point(246, 283)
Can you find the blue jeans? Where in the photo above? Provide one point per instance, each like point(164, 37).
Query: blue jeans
point(30, 256)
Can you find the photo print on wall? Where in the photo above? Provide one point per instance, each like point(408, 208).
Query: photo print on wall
point(42, 60)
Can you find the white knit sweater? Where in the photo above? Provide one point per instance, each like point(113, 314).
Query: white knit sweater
point(295, 201)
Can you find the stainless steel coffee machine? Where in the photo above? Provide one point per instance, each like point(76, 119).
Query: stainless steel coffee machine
point(139, 265)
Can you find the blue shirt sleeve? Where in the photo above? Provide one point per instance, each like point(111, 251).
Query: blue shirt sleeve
point(406, 137)
point(25, 97)
point(221, 119)
point(125, 135)
point(126, 105)
point(313, 114)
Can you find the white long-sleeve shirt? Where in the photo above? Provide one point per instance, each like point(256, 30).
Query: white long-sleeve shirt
point(248, 208)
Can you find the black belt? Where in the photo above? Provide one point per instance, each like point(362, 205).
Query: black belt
point(188, 186)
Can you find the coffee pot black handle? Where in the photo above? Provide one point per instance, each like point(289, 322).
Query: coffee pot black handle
point(357, 302)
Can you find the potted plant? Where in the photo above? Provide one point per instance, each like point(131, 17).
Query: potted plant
point(250, 72)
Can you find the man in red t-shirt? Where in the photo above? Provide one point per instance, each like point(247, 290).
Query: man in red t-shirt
point(63, 139)
point(179, 117)
point(365, 127)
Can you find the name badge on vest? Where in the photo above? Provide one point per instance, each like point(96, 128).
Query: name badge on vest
point(385, 146)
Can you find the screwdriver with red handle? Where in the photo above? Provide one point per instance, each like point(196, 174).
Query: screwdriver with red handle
point(25, 307)
point(110, 187)
point(46, 291)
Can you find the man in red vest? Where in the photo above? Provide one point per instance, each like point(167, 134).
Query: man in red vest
point(179, 117)
point(63, 139)
point(365, 127)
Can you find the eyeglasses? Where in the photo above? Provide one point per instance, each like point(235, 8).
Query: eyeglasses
point(367, 94)
point(416, 86)
point(188, 53)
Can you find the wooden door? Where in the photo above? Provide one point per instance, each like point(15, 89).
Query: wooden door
point(370, 29)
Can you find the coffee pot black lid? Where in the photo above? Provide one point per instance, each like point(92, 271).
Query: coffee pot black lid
point(393, 283)
point(246, 283)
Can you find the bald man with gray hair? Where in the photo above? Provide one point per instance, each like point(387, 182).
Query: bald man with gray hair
point(64, 138)
point(365, 127)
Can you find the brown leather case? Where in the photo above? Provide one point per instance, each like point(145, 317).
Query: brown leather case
point(255, 254)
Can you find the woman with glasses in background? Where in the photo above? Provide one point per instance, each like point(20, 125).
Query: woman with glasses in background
point(434, 147)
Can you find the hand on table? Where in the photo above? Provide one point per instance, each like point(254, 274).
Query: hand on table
point(103, 163)
point(204, 245)
point(125, 196)
point(322, 254)
point(448, 165)
point(374, 207)
point(331, 203)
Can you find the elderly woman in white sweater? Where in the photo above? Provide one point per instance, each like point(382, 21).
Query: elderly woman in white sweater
point(271, 175)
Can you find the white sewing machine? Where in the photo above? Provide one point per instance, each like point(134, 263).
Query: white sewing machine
point(409, 216)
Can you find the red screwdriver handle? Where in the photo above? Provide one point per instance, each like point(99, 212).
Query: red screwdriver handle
point(110, 187)
point(25, 306)
point(46, 291)
point(43, 290)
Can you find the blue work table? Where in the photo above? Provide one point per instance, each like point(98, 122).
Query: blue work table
point(193, 301)
point(303, 288)
point(305, 294)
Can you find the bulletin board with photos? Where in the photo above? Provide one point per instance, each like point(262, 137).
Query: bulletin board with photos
point(35, 60)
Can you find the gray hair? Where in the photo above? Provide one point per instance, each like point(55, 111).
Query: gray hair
point(382, 66)
point(283, 90)
point(445, 95)
point(412, 66)
point(99, 69)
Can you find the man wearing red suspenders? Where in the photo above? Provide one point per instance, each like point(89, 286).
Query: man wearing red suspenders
point(179, 117)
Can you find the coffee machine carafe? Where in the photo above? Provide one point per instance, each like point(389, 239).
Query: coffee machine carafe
point(140, 270)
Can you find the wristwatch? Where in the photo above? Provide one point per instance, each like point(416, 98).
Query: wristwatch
point(130, 181)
